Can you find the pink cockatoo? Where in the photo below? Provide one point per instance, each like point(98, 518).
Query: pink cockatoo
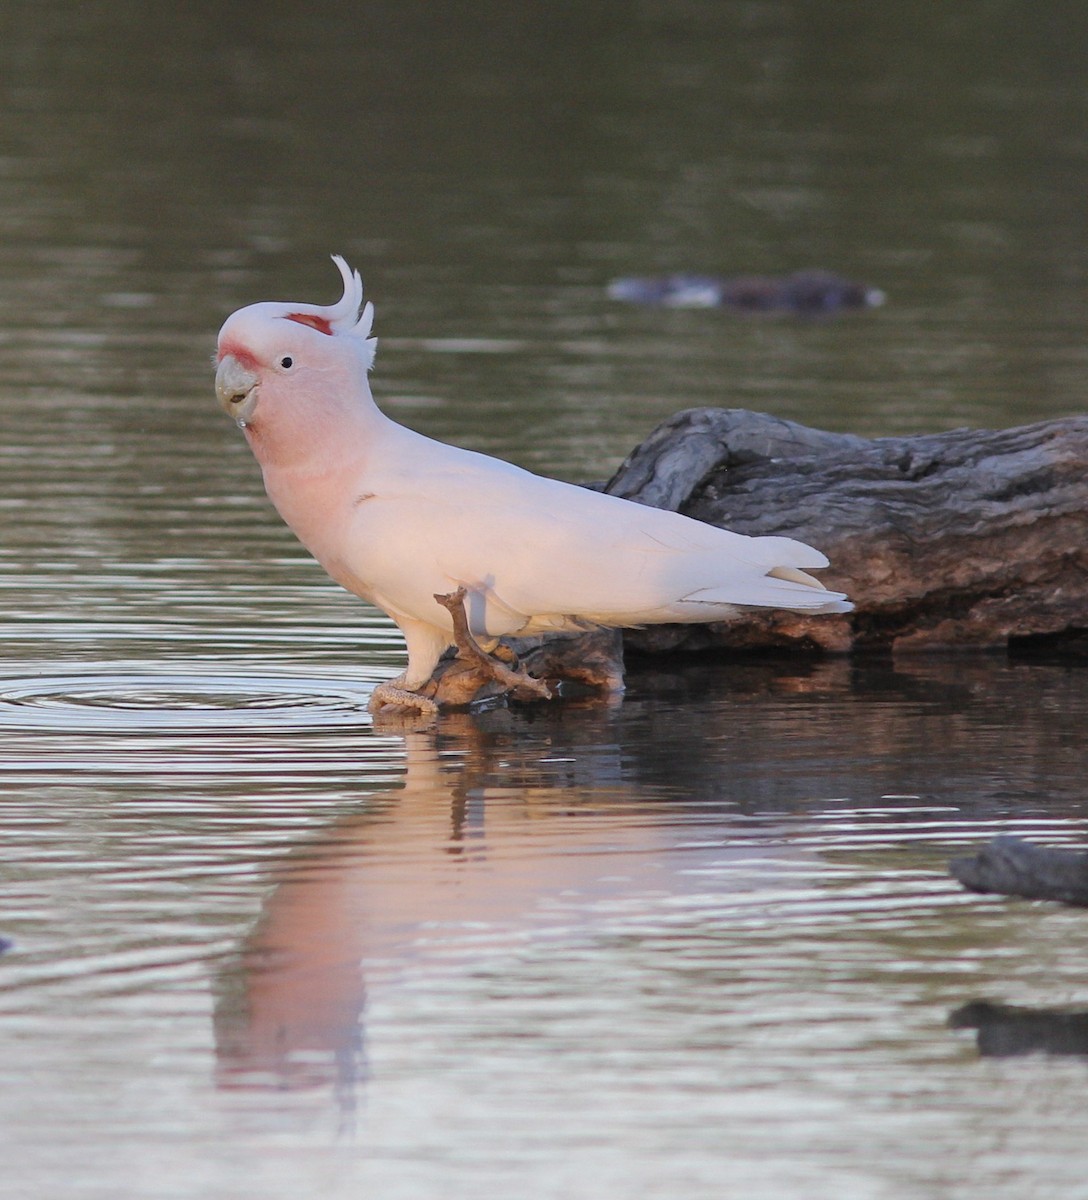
point(397, 518)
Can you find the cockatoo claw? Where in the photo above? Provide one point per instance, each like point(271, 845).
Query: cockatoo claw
point(388, 695)
point(456, 689)
point(515, 680)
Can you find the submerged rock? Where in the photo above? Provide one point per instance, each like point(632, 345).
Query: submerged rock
point(1006, 1030)
point(1010, 866)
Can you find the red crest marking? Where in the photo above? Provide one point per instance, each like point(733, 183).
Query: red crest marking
point(318, 323)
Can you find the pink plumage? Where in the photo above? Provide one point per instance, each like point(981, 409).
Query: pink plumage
point(396, 517)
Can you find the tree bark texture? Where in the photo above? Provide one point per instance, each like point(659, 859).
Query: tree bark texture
point(967, 538)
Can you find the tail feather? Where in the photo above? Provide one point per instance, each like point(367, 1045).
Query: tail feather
point(793, 575)
point(773, 552)
point(784, 587)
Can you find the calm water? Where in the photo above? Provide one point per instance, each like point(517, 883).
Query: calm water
point(697, 944)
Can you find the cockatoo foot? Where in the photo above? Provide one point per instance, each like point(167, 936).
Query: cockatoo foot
point(472, 676)
point(512, 679)
point(388, 695)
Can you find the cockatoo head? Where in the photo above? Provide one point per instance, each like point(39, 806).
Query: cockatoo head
point(286, 369)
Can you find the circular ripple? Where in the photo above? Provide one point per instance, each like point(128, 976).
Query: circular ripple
point(134, 703)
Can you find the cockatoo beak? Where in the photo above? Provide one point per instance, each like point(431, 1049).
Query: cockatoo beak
point(236, 387)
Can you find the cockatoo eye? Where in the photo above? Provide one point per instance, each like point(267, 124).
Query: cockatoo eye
point(287, 362)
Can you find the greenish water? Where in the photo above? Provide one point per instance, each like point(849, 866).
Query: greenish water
point(699, 944)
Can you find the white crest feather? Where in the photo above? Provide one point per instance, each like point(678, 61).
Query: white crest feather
point(345, 316)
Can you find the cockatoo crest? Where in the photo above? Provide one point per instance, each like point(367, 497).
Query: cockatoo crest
point(342, 319)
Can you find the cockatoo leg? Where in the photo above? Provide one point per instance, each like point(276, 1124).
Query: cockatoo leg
point(426, 645)
point(515, 680)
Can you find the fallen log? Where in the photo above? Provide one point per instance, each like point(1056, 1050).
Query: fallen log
point(973, 538)
point(1010, 866)
point(967, 538)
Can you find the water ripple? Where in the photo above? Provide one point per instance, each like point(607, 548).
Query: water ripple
point(151, 702)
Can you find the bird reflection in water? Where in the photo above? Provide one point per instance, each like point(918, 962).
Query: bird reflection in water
point(418, 880)
point(562, 824)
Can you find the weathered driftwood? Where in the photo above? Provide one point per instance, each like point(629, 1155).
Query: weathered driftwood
point(1010, 866)
point(967, 538)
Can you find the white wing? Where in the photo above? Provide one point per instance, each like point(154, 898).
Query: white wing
point(537, 553)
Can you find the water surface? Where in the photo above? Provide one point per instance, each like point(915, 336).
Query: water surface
point(701, 943)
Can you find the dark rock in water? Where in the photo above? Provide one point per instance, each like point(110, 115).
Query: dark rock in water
point(807, 292)
point(1004, 1030)
point(5, 945)
point(1012, 867)
point(968, 538)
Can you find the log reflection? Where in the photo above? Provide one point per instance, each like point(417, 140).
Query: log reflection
point(519, 825)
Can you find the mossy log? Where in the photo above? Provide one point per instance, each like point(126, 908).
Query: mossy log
point(967, 538)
